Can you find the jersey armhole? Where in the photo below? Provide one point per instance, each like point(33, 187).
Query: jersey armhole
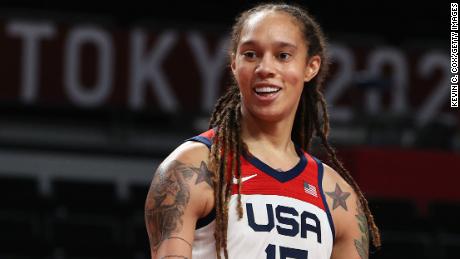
point(203, 222)
point(320, 185)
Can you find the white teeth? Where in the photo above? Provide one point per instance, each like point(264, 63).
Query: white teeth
point(267, 89)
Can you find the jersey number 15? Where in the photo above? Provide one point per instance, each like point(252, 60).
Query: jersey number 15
point(286, 252)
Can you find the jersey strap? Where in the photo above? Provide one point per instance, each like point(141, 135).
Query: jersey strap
point(205, 138)
point(320, 185)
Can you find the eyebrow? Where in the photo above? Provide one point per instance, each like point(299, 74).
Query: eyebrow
point(280, 44)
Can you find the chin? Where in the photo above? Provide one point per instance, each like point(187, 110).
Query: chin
point(270, 115)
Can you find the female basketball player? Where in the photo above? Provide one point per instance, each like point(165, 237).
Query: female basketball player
point(248, 188)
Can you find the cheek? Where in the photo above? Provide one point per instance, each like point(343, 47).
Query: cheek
point(243, 75)
point(295, 77)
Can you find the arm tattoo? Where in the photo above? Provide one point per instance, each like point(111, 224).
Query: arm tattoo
point(168, 197)
point(362, 246)
point(339, 197)
point(204, 175)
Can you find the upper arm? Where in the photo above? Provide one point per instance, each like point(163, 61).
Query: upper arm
point(177, 197)
point(350, 222)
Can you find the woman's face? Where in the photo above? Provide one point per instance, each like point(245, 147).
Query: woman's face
point(271, 65)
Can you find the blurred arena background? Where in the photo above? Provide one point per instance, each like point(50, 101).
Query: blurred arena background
point(94, 94)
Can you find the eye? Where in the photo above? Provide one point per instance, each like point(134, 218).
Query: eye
point(284, 56)
point(249, 54)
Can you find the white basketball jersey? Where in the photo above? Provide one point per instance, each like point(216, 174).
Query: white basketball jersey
point(285, 214)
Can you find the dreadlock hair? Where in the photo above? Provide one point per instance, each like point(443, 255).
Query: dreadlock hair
point(311, 120)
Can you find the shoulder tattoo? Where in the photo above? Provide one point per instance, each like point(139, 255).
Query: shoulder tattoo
point(168, 196)
point(339, 197)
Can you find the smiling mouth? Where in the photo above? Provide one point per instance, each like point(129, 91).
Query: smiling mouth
point(266, 90)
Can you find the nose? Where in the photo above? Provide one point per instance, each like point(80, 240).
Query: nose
point(266, 67)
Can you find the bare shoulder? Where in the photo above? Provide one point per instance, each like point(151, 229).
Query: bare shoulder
point(190, 152)
point(180, 193)
point(333, 180)
point(350, 223)
point(185, 167)
point(187, 162)
point(340, 197)
point(190, 161)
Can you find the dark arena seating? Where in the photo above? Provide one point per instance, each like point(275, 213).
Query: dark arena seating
point(81, 219)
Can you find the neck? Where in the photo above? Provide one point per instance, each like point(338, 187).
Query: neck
point(260, 134)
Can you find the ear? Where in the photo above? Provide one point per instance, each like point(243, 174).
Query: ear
point(313, 65)
point(232, 64)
